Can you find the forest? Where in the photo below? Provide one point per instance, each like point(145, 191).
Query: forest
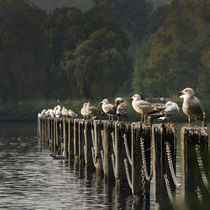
point(112, 47)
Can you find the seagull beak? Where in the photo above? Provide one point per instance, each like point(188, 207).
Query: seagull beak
point(179, 94)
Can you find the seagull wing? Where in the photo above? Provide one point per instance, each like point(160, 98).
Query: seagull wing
point(195, 109)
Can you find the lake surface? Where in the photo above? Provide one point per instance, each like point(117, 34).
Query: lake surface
point(31, 179)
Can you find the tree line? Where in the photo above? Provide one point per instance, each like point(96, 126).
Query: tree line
point(69, 53)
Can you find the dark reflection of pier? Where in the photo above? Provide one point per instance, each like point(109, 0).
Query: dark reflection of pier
point(122, 159)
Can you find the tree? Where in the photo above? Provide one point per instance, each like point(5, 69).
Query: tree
point(24, 51)
point(176, 55)
point(100, 64)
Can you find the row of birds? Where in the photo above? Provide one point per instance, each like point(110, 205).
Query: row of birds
point(191, 107)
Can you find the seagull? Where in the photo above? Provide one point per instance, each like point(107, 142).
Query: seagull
point(191, 105)
point(42, 113)
point(171, 109)
point(108, 108)
point(143, 107)
point(122, 108)
point(64, 112)
point(92, 111)
point(84, 111)
point(72, 114)
point(57, 111)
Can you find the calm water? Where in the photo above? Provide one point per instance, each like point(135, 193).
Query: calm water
point(31, 179)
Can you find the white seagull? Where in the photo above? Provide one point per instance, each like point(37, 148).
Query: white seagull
point(171, 109)
point(72, 114)
point(84, 111)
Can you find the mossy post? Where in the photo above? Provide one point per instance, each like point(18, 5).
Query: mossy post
point(70, 138)
point(194, 150)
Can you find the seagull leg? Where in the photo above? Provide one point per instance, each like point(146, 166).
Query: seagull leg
point(189, 121)
point(145, 118)
point(141, 117)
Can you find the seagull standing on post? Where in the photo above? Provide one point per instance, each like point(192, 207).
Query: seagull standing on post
point(191, 105)
point(171, 109)
point(143, 107)
point(108, 108)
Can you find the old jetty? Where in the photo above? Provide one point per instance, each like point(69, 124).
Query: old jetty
point(131, 154)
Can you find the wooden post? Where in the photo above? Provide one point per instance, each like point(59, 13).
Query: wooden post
point(70, 138)
point(141, 158)
point(76, 146)
point(98, 145)
point(81, 140)
point(163, 136)
point(107, 149)
point(65, 141)
point(194, 154)
point(120, 155)
point(88, 144)
point(39, 128)
point(55, 135)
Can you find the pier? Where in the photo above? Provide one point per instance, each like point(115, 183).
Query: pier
point(132, 154)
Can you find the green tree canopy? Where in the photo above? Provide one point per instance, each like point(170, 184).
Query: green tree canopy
point(23, 54)
point(177, 54)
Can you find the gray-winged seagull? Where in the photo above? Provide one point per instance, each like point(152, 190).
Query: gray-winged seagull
point(143, 107)
point(171, 109)
point(191, 105)
point(108, 108)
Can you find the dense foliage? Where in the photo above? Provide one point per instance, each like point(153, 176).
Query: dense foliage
point(62, 54)
point(177, 54)
point(71, 54)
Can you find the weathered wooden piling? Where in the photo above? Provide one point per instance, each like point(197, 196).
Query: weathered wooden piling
point(70, 138)
point(97, 126)
point(121, 129)
point(194, 154)
point(88, 144)
point(64, 150)
point(164, 143)
point(141, 158)
point(81, 140)
point(76, 145)
point(108, 128)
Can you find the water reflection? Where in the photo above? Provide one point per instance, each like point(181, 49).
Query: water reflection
point(31, 179)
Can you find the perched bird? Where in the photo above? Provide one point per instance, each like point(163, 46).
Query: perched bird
point(92, 111)
point(171, 109)
point(143, 107)
point(122, 108)
point(64, 112)
point(108, 108)
point(84, 111)
point(191, 105)
point(57, 111)
point(42, 114)
point(72, 114)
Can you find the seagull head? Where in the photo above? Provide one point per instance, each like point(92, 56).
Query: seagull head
point(186, 93)
point(135, 97)
point(105, 101)
point(118, 100)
